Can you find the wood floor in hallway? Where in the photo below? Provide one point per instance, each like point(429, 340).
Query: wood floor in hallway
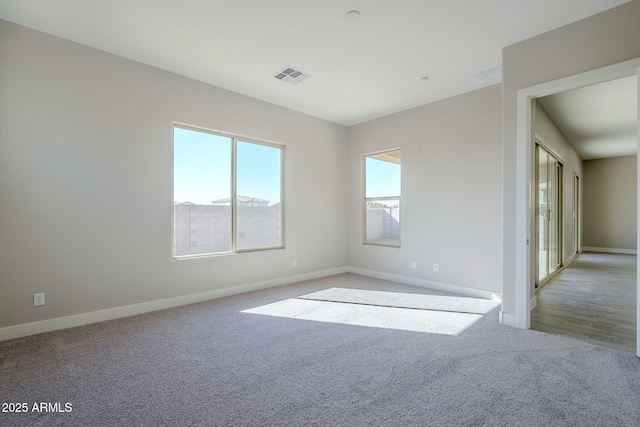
point(593, 299)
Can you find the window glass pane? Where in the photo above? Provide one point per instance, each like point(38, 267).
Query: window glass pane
point(202, 192)
point(258, 198)
point(383, 175)
point(383, 222)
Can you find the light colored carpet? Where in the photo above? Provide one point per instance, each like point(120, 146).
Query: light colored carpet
point(214, 364)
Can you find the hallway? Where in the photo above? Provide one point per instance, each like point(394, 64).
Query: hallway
point(593, 299)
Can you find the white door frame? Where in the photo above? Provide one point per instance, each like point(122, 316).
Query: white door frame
point(524, 148)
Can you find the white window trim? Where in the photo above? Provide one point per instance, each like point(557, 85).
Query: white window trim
point(365, 199)
point(234, 140)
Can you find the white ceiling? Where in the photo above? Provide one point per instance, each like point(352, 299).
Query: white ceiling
point(360, 70)
point(599, 121)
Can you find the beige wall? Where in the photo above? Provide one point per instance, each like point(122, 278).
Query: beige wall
point(85, 181)
point(610, 203)
point(604, 39)
point(451, 207)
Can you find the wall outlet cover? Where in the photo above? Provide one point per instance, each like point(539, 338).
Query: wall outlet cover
point(38, 299)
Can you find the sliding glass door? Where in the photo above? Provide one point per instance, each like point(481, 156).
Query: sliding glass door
point(548, 205)
point(576, 214)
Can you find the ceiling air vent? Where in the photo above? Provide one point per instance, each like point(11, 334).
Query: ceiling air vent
point(292, 76)
point(486, 74)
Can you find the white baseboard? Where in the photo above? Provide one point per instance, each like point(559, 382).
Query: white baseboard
point(610, 250)
point(50, 325)
point(512, 320)
point(26, 329)
point(508, 319)
point(445, 287)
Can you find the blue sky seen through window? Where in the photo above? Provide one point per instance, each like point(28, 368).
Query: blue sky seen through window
point(382, 178)
point(202, 168)
point(258, 171)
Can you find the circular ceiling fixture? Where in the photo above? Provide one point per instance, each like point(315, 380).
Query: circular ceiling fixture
point(353, 15)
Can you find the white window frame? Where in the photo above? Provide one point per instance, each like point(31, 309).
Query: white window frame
point(233, 159)
point(366, 200)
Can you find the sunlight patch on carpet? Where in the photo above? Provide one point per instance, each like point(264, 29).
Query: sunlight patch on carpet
point(404, 300)
point(376, 316)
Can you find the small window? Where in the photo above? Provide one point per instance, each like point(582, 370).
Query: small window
point(382, 191)
point(227, 194)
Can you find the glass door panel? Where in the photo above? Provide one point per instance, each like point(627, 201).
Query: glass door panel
point(576, 214)
point(549, 217)
point(543, 224)
point(553, 218)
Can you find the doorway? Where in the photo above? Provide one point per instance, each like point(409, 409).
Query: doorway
point(525, 221)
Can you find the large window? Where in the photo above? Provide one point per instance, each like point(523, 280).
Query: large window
point(227, 193)
point(382, 191)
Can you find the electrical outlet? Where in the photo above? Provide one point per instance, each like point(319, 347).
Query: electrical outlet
point(413, 265)
point(435, 267)
point(38, 299)
point(295, 262)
